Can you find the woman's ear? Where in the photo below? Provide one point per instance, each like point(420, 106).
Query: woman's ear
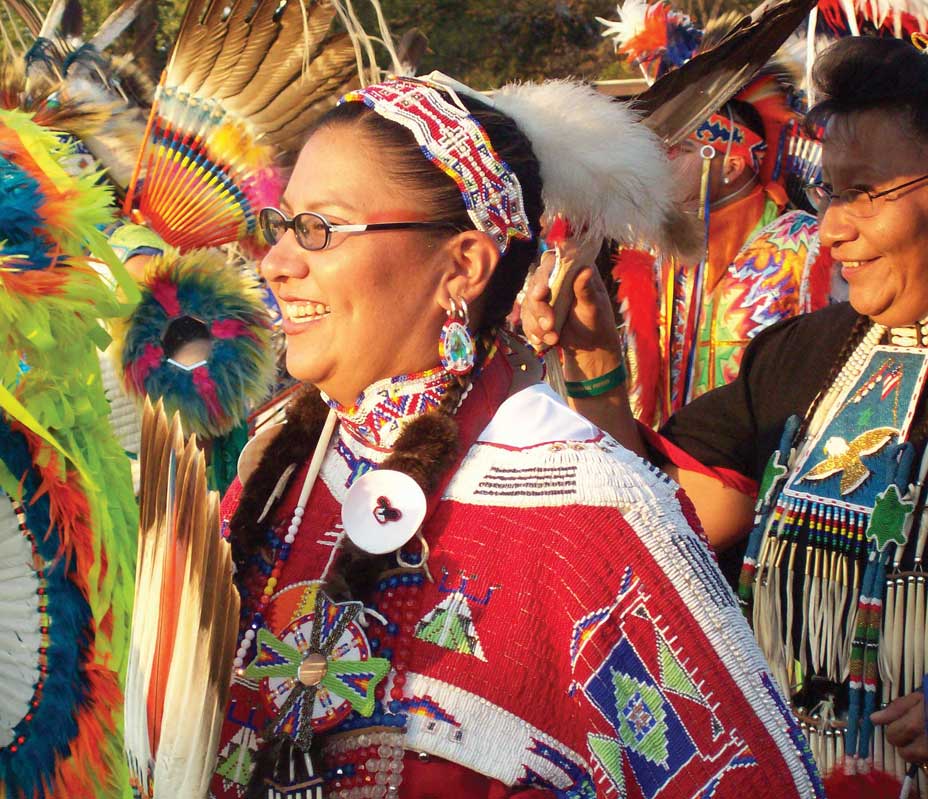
point(472, 257)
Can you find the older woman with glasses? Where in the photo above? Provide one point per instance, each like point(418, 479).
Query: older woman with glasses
point(826, 425)
point(452, 585)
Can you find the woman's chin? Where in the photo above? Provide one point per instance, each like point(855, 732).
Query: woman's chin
point(306, 370)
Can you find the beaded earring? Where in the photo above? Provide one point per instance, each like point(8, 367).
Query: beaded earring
point(455, 343)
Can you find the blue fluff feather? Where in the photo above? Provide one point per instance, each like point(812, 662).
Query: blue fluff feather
point(20, 224)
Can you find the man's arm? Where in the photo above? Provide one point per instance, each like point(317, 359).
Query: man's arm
point(726, 514)
point(592, 347)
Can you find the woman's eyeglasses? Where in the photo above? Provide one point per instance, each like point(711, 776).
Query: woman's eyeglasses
point(858, 202)
point(314, 232)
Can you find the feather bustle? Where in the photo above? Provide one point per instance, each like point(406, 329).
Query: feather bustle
point(238, 30)
point(211, 38)
point(261, 32)
point(323, 78)
point(292, 136)
point(184, 636)
point(299, 44)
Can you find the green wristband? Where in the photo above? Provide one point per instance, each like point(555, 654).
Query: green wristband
point(595, 386)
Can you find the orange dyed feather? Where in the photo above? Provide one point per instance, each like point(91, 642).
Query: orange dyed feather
point(653, 39)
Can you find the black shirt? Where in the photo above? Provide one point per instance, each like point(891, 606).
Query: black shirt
point(738, 426)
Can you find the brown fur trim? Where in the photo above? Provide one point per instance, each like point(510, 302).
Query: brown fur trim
point(294, 443)
point(425, 449)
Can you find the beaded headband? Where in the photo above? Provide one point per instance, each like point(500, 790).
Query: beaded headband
point(459, 146)
point(728, 137)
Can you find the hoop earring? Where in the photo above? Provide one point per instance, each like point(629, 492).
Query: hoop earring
point(455, 343)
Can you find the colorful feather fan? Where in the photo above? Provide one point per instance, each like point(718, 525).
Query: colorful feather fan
point(227, 115)
point(185, 623)
point(189, 297)
point(68, 510)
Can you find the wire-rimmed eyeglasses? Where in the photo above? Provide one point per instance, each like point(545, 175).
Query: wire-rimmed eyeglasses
point(858, 202)
point(314, 232)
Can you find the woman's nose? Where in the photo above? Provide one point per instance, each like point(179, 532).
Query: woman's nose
point(286, 259)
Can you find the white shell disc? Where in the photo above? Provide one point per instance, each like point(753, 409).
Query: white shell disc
point(382, 510)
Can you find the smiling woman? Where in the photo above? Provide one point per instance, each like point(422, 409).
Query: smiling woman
point(877, 221)
point(453, 586)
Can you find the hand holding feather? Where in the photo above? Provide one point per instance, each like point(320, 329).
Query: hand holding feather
point(571, 308)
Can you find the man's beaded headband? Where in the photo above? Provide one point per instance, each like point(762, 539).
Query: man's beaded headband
point(458, 145)
point(726, 136)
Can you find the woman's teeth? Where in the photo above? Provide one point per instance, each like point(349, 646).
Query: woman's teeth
point(305, 311)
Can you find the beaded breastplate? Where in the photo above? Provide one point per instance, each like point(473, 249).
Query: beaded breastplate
point(834, 515)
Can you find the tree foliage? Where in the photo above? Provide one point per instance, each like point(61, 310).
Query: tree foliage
point(482, 42)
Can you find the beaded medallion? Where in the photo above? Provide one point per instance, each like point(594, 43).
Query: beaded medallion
point(318, 670)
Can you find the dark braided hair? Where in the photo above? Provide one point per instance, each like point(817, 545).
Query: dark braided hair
point(428, 444)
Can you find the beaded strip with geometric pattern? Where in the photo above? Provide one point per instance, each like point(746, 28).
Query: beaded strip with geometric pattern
point(458, 145)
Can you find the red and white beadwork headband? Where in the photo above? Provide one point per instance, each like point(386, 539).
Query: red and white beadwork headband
point(458, 145)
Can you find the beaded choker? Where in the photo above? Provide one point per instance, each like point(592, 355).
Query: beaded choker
point(377, 417)
point(910, 335)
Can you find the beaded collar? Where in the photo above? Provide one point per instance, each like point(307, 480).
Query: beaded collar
point(911, 335)
point(378, 415)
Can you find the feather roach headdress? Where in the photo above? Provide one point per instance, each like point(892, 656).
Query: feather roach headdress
point(684, 98)
point(900, 18)
point(198, 297)
point(243, 84)
point(67, 509)
point(654, 36)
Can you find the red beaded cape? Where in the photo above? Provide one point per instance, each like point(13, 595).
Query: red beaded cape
point(578, 638)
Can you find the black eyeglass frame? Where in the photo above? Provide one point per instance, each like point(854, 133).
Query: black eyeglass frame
point(330, 228)
point(811, 187)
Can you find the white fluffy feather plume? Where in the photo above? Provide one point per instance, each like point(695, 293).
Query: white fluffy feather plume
point(602, 170)
point(632, 20)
